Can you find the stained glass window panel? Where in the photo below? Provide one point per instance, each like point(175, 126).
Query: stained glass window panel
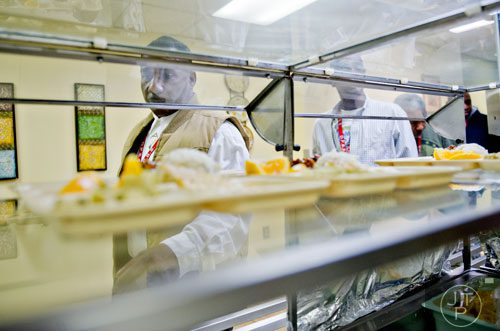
point(90, 128)
point(8, 156)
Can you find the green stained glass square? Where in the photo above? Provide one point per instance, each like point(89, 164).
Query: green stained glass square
point(91, 127)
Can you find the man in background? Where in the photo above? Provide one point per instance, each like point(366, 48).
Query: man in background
point(476, 124)
point(369, 139)
point(211, 236)
point(425, 137)
point(220, 135)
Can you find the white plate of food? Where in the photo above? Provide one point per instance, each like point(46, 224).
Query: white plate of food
point(466, 156)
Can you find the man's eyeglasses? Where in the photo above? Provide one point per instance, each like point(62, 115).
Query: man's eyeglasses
point(147, 73)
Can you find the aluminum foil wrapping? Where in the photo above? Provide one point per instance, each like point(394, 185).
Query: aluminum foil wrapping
point(344, 301)
point(492, 251)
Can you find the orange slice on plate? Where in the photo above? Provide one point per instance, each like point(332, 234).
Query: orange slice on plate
point(253, 168)
point(276, 166)
point(83, 182)
point(271, 167)
point(438, 154)
point(447, 154)
point(132, 165)
point(465, 156)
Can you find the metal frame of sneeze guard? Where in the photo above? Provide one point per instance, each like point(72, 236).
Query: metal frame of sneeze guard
point(256, 102)
point(444, 125)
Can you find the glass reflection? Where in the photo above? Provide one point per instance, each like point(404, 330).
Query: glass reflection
point(490, 241)
point(342, 302)
point(426, 138)
point(370, 140)
point(156, 257)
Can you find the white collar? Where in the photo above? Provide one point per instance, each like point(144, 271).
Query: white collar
point(357, 111)
point(156, 118)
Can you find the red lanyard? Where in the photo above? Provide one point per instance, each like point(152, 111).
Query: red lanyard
point(419, 143)
point(148, 154)
point(343, 145)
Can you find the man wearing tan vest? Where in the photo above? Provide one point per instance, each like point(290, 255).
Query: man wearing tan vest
point(221, 136)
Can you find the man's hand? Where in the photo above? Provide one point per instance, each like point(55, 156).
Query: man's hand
point(158, 263)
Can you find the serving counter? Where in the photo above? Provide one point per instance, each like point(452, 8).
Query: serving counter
point(55, 280)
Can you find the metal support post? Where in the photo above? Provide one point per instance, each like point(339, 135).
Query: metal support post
point(466, 253)
point(288, 132)
point(292, 310)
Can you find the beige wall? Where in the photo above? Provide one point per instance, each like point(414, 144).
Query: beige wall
point(45, 133)
point(479, 100)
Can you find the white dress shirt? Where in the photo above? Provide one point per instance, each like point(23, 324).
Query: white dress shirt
point(211, 238)
point(370, 139)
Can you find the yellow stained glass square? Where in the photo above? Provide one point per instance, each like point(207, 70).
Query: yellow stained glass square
point(6, 131)
point(92, 157)
point(7, 208)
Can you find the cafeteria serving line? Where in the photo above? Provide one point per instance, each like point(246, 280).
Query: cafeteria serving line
point(249, 165)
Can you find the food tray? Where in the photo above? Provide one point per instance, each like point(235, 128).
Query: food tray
point(263, 192)
point(178, 207)
point(493, 165)
point(408, 161)
point(350, 185)
point(121, 216)
point(430, 161)
point(380, 181)
point(425, 176)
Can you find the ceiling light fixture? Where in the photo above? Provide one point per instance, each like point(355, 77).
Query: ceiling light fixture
point(261, 12)
point(471, 26)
